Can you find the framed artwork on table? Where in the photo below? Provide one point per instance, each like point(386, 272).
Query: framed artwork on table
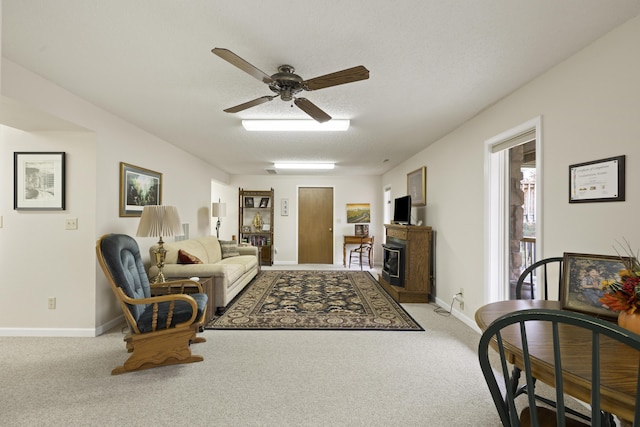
point(417, 186)
point(362, 230)
point(139, 187)
point(39, 181)
point(248, 202)
point(582, 277)
point(264, 202)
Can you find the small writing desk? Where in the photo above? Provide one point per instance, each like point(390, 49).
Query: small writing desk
point(356, 240)
point(619, 364)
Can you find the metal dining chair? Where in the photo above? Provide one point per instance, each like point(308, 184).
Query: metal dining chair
point(497, 377)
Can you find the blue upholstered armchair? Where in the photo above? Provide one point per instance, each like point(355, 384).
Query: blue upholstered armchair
point(161, 327)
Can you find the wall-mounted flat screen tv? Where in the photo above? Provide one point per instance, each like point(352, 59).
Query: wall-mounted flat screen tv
point(402, 210)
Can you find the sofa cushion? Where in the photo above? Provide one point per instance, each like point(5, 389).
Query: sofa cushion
point(185, 257)
point(229, 248)
point(192, 246)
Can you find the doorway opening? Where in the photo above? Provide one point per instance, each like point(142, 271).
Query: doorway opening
point(386, 215)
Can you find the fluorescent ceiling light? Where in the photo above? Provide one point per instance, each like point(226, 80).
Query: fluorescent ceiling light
point(304, 165)
point(295, 125)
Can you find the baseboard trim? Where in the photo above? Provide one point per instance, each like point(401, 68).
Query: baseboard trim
point(61, 332)
point(47, 332)
point(459, 315)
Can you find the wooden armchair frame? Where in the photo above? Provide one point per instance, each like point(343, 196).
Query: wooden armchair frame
point(164, 344)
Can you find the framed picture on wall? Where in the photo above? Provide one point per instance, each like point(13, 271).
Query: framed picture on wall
point(358, 213)
point(417, 186)
point(597, 181)
point(39, 181)
point(139, 187)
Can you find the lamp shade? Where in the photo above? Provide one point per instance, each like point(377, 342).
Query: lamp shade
point(219, 210)
point(158, 221)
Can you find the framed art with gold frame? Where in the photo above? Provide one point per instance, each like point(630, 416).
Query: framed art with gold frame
point(138, 187)
point(417, 186)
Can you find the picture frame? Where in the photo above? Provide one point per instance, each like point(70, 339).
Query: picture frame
point(582, 278)
point(39, 181)
point(597, 181)
point(248, 202)
point(417, 186)
point(246, 229)
point(361, 230)
point(358, 213)
point(264, 202)
point(139, 187)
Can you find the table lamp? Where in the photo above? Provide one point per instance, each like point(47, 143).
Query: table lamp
point(218, 210)
point(158, 221)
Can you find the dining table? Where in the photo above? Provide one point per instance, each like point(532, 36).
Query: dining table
point(619, 363)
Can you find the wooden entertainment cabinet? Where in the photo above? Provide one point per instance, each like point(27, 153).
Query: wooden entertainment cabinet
point(417, 262)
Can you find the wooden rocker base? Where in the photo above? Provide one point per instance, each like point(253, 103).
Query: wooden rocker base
point(194, 340)
point(161, 348)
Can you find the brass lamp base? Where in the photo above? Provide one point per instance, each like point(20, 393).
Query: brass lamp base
point(160, 254)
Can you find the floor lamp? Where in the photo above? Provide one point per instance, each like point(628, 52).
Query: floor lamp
point(158, 221)
point(218, 210)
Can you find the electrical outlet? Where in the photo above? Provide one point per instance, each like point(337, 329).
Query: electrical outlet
point(461, 292)
point(52, 303)
point(71, 224)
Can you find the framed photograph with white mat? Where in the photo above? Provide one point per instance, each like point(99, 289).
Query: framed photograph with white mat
point(39, 181)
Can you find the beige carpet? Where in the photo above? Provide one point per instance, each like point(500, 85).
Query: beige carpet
point(328, 300)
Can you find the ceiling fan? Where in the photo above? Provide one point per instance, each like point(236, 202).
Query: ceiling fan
point(286, 84)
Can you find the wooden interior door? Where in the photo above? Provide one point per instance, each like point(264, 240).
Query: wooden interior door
point(315, 225)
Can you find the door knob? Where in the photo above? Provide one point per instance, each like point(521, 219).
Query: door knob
point(330, 229)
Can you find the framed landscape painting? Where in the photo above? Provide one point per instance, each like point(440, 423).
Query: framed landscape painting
point(39, 181)
point(139, 187)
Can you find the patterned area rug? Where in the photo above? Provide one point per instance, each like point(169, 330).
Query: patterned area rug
point(329, 300)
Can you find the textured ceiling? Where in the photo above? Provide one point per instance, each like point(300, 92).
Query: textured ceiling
point(433, 65)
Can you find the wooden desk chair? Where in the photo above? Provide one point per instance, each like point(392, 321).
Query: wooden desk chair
point(361, 252)
point(161, 327)
point(497, 378)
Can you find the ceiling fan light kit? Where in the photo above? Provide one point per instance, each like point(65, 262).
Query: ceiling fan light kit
point(286, 84)
point(295, 125)
point(304, 165)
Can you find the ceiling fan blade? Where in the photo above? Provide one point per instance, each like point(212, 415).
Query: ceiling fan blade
point(338, 78)
point(249, 104)
point(312, 109)
point(234, 59)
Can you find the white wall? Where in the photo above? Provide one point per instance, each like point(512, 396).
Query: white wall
point(68, 270)
point(589, 106)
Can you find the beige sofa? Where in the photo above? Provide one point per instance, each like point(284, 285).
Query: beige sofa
point(232, 269)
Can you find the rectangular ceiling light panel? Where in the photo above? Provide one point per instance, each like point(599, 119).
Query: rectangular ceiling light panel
point(295, 125)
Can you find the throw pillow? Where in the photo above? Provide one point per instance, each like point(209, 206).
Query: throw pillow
point(185, 257)
point(229, 248)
